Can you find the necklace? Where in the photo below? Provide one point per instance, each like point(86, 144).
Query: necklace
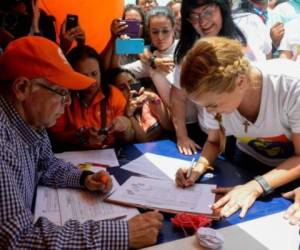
point(246, 125)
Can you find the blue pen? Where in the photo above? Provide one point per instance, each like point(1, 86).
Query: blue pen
point(190, 170)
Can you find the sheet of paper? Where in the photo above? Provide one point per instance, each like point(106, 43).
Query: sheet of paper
point(103, 156)
point(270, 232)
point(47, 204)
point(60, 205)
point(156, 166)
point(82, 206)
point(164, 194)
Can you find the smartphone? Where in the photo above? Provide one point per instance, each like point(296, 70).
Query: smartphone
point(133, 28)
point(71, 21)
point(129, 46)
point(135, 86)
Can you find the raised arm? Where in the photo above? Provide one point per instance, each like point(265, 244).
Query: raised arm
point(178, 113)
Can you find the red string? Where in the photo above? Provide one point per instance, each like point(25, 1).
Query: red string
point(189, 221)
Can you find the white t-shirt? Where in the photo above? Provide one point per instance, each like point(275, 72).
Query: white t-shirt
point(291, 38)
point(285, 12)
point(268, 139)
point(256, 33)
point(159, 78)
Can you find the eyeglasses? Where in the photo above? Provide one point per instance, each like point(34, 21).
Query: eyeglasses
point(64, 94)
point(149, 2)
point(206, 15)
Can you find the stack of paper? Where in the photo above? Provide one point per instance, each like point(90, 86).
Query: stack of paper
point(103, 156)
point(61, 205)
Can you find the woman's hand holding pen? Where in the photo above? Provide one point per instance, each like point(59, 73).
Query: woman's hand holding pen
point(100, 181)
point(186, 177)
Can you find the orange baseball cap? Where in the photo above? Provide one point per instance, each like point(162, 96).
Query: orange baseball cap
point(37, 57)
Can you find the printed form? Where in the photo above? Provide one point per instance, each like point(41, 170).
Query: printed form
point(61, 205)
point(164, 194)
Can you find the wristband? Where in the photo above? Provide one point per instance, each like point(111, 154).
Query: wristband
point(267, 189)
point(83, 176)
point(37, 34)
point(205, 164)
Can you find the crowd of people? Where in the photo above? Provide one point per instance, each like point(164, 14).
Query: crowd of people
point(217, 75)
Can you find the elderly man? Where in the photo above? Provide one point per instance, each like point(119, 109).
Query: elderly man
point(34, 82)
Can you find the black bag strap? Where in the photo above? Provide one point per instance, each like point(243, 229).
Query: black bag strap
point(103, 113)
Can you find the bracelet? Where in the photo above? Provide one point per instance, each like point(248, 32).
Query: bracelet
point(205, 164)
point(37, 34)
point(267, 189)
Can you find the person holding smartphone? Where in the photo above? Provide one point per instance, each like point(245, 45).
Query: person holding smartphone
point(118, 29)
point(148, 115)
point(156, 65)
point(96, 117)
point(70, 32)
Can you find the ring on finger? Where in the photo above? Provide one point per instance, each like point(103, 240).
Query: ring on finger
point(237, 205)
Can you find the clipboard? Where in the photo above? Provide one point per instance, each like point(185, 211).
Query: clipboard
point(120, 194)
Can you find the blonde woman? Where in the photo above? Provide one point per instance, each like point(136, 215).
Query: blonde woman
point(258, 104)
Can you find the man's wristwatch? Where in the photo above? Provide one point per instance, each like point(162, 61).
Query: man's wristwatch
point(264, 185)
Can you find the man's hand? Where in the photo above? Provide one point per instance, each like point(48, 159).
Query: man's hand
point(100, 181)
point(293, 212)
point(144, 228)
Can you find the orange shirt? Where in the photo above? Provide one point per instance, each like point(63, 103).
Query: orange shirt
point(76, 116)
